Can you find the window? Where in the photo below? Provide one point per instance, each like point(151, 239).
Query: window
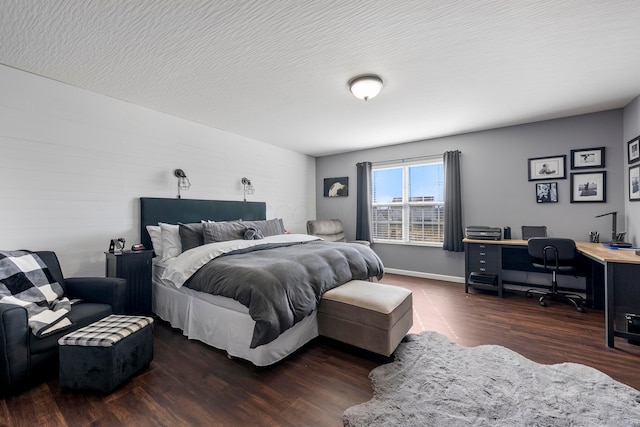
point(408, 202)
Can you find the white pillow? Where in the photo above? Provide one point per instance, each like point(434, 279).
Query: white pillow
point(171, 243)
point(156, 239)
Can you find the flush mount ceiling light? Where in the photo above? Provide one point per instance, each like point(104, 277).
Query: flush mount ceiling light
point(366, 86)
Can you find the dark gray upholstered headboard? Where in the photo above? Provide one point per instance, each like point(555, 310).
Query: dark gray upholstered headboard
point(172, 211)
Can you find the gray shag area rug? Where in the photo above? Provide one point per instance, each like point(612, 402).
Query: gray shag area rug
point(435, 382)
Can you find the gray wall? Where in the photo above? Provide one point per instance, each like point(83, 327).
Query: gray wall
point(495, 186)
point(632, 209)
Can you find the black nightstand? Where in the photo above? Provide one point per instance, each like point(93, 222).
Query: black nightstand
point(135, 267)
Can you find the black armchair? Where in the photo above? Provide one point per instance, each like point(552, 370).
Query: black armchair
point(26, 359)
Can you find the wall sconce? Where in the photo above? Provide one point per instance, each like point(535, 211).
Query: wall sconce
point(366, 86)
point(183, 181)
point(247, 187)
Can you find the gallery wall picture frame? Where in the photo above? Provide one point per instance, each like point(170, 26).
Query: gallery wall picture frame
point(336, 187)
point(546, 192)
point(587, 158)
point(634, 183)
point(545, 168)
point(633, 150)
point(589, 187)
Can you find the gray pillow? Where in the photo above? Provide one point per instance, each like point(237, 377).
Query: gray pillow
point(223, 231)
point(191, 235)
point(269, 227)
point(272, 227)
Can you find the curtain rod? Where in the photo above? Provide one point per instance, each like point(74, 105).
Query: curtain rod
point(408, 159)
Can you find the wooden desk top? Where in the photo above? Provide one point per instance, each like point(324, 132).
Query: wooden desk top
point(596, 251)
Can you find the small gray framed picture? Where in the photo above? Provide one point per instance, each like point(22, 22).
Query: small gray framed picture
point(336, 187)
point(543, 168)
point(587, 158)
point(633, 150)
point(547, 192)
point(634, 183)
point(589, 187)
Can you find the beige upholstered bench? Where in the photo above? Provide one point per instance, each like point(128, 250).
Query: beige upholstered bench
point(368, 315)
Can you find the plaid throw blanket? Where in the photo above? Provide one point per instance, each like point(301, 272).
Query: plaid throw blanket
point(25, 280)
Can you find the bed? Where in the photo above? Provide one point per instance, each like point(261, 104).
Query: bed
point(222, 321)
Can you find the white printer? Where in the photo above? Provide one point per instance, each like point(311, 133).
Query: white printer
point(481, 232)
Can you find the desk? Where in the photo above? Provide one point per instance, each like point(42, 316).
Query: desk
point(619, 270)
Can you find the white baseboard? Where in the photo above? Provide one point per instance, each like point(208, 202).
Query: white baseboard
point(425, 275)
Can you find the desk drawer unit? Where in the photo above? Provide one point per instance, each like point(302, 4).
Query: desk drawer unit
point(484, 258)
point(482, 269)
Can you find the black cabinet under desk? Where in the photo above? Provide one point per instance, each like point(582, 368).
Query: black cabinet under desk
point(608, 277)
point(483, 267)
point(498, 266)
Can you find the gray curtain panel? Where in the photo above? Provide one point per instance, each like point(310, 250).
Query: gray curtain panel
point(453, 233)
point(363, 212)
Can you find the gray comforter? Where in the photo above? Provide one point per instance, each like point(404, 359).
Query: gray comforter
point(281, 284)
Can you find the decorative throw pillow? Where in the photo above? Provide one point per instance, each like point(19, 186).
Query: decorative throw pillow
point(171, 245)
point(269, 227)
point(252, 233)
point(272, 227)
point(191, 235)
point(156, 239)
point(223, 231)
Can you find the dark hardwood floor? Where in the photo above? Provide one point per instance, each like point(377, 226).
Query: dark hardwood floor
point(189, 383)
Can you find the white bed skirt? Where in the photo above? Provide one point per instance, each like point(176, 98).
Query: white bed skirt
point(225, 324)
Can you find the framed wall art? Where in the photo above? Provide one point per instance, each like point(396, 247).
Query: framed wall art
point(633, 150)
point(587, 158)
point(589, 187)
point(544, 168)
point(634, 183)
point(336, 187)
point(547, 192)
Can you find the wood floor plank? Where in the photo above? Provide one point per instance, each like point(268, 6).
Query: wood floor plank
point(191, 384)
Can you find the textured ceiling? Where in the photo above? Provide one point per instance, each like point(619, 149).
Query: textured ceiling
point(277, 70)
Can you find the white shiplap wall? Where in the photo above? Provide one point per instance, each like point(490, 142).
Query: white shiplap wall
point(73, 164)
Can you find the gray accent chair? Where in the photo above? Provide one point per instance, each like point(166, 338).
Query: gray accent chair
point(330, 230)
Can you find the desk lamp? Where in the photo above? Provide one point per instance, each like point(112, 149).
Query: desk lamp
point(616, 238)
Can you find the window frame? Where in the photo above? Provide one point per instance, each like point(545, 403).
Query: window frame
point(406, 204)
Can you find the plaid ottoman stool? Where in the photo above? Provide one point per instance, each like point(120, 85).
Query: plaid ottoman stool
point(105, 354)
